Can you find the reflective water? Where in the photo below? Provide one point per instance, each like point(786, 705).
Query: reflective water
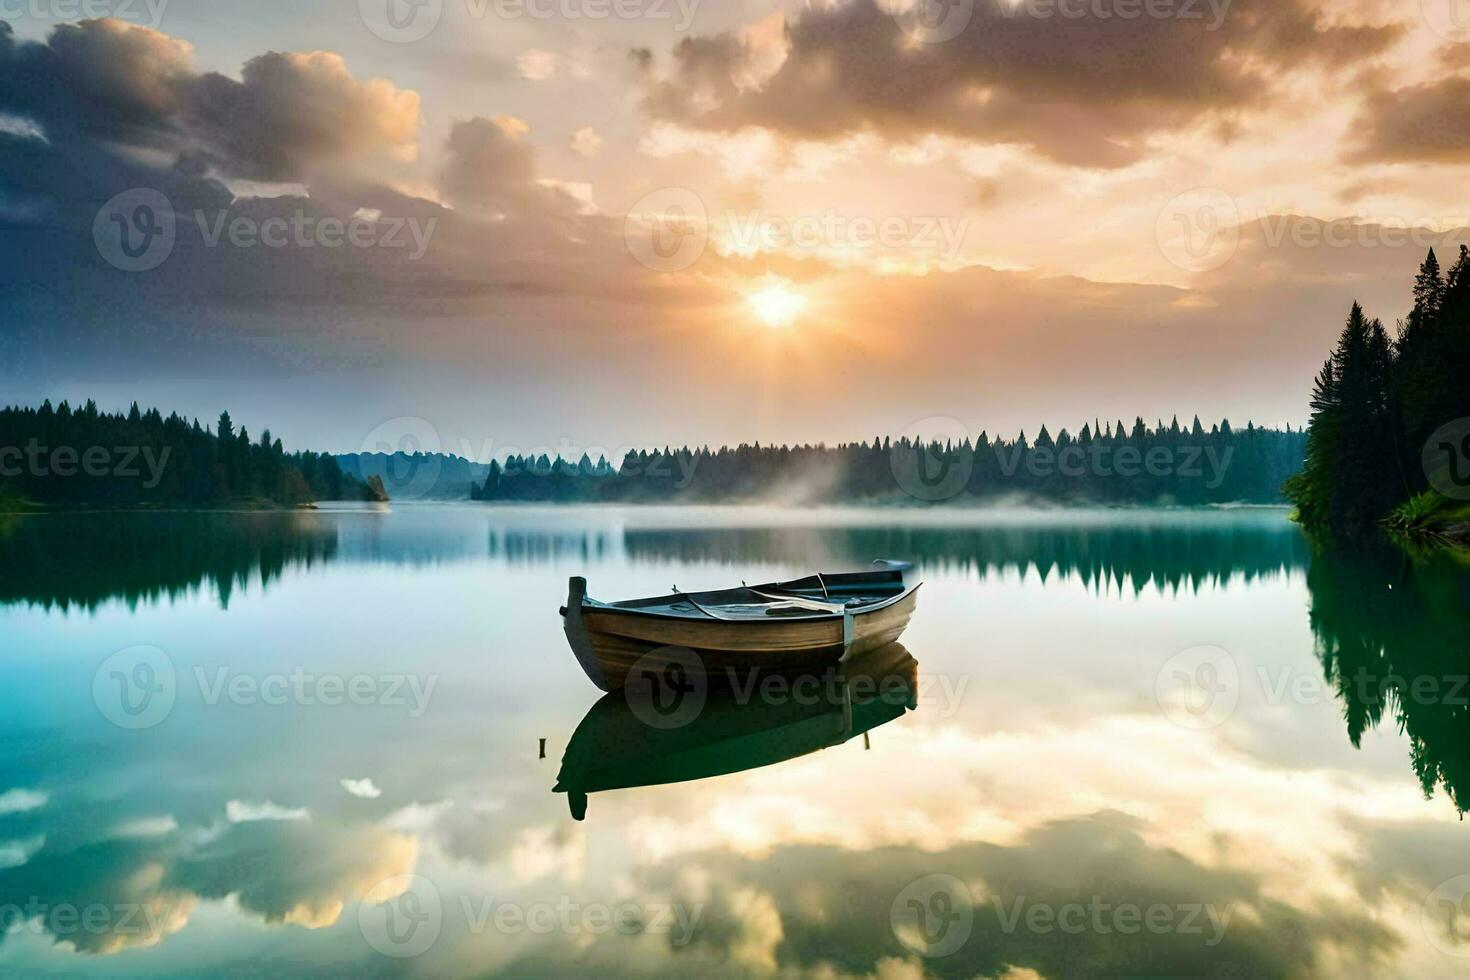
point(1147, 743)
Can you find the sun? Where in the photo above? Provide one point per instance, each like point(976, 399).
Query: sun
point(775, 303)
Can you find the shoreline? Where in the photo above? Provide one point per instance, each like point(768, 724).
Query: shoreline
point(27, 509)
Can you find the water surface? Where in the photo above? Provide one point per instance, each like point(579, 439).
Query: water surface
point(1148, 742)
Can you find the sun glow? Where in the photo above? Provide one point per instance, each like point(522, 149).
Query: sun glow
point(775, 303)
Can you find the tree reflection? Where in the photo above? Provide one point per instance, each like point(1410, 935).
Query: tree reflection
point(1393, 635)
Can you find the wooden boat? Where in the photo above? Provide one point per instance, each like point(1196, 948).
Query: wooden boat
point(614, 747)
point(802, 624)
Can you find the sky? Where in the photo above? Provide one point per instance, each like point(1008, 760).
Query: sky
point(495, 226)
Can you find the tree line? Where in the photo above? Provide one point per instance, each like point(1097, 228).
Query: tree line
point(1102, 463)
point(1378, 403)
point(85, 457)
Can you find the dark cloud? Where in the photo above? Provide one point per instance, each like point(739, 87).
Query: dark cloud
point(1082, 90)
point(138, 89)
point(138, 891)
point(98, 78)
point(1427, 123)
point(823, 908)
point(292, 113)
point(490, 165)
point(120, 108)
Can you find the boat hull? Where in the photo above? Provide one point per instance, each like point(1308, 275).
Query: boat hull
point(609, 642)
point(614, 747)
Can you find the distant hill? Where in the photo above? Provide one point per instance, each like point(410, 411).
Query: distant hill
point(419, 476)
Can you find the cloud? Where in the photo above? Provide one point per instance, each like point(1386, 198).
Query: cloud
point(14, 853)
point(362, 788)
point(282, 872)
point(289, 114)
point(293, 113)
point(295, 873)
point(537, 65)
point(490, 164)
point(22, 800)
point(824, 910)
point(101, 78)
point(586, 142)
point(237, 811)
point(1427, 123)
point(1081, 90)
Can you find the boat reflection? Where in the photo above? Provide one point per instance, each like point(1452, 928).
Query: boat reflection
point(640, 736)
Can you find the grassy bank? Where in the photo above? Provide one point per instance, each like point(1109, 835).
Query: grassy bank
point(1432, 515)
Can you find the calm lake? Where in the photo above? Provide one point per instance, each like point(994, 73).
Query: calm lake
point(309, 743)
